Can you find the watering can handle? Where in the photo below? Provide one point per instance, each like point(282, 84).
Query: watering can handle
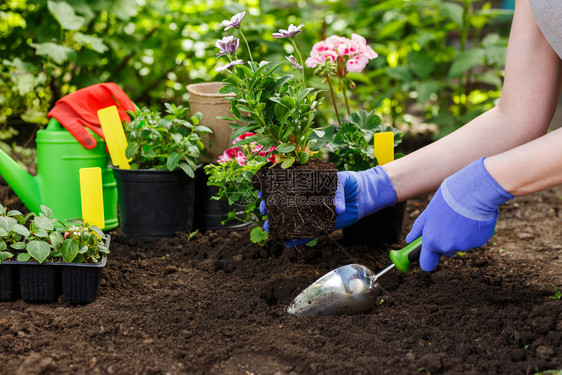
point(404, 257)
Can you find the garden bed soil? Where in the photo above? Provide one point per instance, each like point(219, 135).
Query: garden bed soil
point(215, 304)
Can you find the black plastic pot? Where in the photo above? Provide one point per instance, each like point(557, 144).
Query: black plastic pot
point(8, 281)
point(154, 203)
point(382, 227)
point(209, 213)
point(80, 281)
point(39, 282)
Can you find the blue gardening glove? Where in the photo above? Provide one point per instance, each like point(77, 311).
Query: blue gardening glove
point(358, 194)
point(462, 215)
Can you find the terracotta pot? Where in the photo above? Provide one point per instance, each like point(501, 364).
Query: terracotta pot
point(204, 98)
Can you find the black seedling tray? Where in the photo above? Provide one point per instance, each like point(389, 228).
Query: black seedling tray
point(44, 282)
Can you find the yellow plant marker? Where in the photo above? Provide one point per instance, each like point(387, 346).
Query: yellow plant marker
point(384, 147)
point(91, 195)
point(114, 136)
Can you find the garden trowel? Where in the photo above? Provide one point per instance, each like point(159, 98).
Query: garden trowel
point(350, 289)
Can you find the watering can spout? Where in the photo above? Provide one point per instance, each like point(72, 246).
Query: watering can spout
point(26, 186)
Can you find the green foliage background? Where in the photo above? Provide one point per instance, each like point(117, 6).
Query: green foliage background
point(440, 61)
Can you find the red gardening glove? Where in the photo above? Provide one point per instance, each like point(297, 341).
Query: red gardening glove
point(79, 110)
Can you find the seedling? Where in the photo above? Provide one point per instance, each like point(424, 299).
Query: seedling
point(172, 141)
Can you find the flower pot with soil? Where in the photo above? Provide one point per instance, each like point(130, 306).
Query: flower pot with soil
point(156, 195)
point(42, 257)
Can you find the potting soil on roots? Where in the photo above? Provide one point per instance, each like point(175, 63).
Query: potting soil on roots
point(215, 304)
point(299, 200)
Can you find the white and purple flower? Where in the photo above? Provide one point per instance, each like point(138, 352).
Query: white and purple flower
point(291, 32)
point(293, 61)
point(234, 21)
point(229, 65)
point(227, 45)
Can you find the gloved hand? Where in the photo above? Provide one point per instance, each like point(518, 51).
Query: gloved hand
point(462, 215)
point(358, 194)
point(79, 110)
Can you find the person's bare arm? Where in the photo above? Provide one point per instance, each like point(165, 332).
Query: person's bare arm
point(529, 97)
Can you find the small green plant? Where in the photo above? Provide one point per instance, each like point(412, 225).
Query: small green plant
point(557, 295)
point(172, 141)
point(41, 237)
point(351, 144)
point(278, 109)
point(233, 175)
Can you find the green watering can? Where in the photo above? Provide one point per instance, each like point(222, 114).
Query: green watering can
point(57, 184)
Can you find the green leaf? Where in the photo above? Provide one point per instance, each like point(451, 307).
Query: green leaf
point(452, 11)
point(3, 232)
point(18, 245)
point(465, 61)
point(65, 15)
point(425, 89)
point(20, 229)
point(23, 257)
point(43, 223)
point(90, 42)
point(420, 63)
point(288, 162)
point(39, 250)
point(5, 255)
point(98, 231)
point(69, 249)
point(285, 147)
point(173, 160)
point(58, 53)
point(258, 235)
point(56, 240)
point(47, 211)
point(3, 245)
point(187, 169)
point(303, 157)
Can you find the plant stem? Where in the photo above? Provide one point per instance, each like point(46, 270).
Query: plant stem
point(300, 61)
point(345, 96)
point(333, 98)
point(247, 45)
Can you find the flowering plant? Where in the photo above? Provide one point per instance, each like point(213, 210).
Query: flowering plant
point(278, 109)
point(335, 57)
point(233, 175)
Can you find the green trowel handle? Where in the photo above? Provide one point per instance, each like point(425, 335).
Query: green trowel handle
point(404, 257)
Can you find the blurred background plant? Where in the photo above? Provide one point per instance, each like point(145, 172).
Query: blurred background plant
point(440, 62)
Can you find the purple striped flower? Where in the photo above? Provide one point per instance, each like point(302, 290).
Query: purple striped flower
point(294, 61)
point(229, 65)
point(291, 32)
point(227, 45)
point(234, 21)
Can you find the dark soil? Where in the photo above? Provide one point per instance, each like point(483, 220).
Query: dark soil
point(299, 200)
point(215, 304)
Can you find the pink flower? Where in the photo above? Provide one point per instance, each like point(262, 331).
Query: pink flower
point(233, 153)
point(356, 64)
point(321, 52)
point(242, 136)
point(265, 153)
point(336, 41)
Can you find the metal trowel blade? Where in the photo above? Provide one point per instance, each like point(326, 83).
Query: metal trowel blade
point(344, 290)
